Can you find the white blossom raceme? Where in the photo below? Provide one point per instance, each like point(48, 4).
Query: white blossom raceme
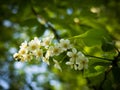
point(74, 58)
point(57, 65)
point(44, 49)
point(65, 44)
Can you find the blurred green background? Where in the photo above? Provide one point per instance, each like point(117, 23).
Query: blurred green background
point(93, 20)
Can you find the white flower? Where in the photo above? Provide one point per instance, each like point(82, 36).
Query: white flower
point(38, 53)
point(65, 44)
point(23, 51)
point(18, 57)
point(55, 50)
point(47, 41)
point(34, 44)
point(74, 58)
point(46, 60)
point(57, 65)
point(74, 54)
point(83, 63)
point(28, 57)
point(24, 45)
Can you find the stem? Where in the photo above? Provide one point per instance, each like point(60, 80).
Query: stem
point(113, 64)
point(99, 57)
point(105, 77)
point(83, 70)
point(117, 49)
point(54, 31)
point(63, 58)
point(75, 37)
point(45, 23)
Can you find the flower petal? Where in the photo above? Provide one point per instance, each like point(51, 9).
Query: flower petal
point(80, 66)
point(46, 60)
point(56, 65)
point(68, 63)
point(80, 54)
point(75, 66)
point(69, 54)
point(74, 50)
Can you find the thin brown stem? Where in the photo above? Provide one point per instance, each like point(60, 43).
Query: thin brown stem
point(99, 57)
point(105, 77)
point(46, 23)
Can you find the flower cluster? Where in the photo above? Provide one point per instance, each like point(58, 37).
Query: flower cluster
point(77, 60)
point(46, 48)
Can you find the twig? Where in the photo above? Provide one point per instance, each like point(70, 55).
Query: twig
point(54, 31)
point(89, 82)
point(105, 77)
point(99, 57)
point(117, 49)
point(113, 64)
point(46, 23)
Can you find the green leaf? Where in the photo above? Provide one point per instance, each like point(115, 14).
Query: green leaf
point(94, 71)
point(93, 37)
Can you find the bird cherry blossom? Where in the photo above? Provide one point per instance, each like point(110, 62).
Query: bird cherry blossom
point(34, 44)
point(47, 41)
point(65, 44)
point(55, 50)
point(45, 49)
point(75, 58)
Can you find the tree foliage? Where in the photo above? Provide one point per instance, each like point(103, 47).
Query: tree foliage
point(92, 26)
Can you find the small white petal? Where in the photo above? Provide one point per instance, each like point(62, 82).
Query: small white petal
point(56, 65)
point(74, 50)
point(61, 40)
point(80, 54)
point(69, 54)
point(77, 61)
point(72, 60)
point(68, 63)
point(67, 41)
point(75, 67)
point(80, 67)
point(46, 60)
point(16, 55)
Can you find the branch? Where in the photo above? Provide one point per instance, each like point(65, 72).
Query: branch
point(113, 64)
point(41, 20)
point(99, 58)
point(93, 87)
point(105, 77)
point(117, 49)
